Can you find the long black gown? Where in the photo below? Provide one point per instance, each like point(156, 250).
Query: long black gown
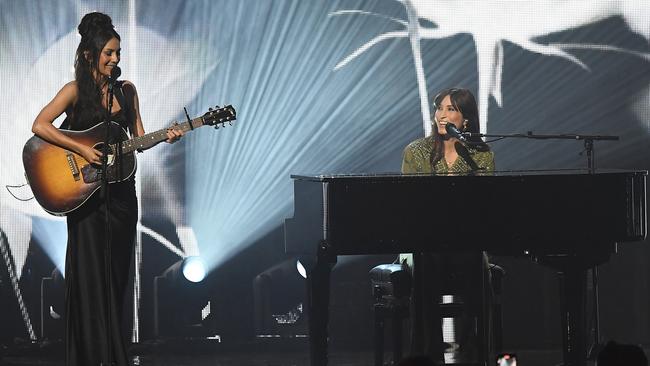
point(86, 286)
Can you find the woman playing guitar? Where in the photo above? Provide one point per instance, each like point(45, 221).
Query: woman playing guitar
point(84, 100)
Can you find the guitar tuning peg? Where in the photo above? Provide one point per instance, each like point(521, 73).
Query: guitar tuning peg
point(216, 126)
point(210, 109)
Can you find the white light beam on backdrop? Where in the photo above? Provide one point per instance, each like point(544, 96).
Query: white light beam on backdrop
point(282, 89)
point(492, 22)
point(294, 116)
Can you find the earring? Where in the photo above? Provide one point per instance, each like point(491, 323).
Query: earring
point(464, 125)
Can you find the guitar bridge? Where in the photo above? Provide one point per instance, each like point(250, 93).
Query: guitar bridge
point(72, 163)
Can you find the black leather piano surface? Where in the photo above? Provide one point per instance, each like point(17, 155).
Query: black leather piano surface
point(509, 212)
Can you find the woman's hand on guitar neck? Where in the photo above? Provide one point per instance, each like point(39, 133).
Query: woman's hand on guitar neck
point(174, 133)
point(91, 155)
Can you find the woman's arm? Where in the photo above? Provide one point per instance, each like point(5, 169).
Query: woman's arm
point(408, 165)
point(43, 128)
point(485, 161)
point(131, 94)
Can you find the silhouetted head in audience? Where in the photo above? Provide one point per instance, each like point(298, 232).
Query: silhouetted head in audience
point(621, 355)
point(417, 361)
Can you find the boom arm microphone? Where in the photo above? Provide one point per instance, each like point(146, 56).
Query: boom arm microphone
point(464, 153)
point(453, 131)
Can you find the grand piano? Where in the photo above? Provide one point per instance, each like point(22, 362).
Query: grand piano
point(569, 219)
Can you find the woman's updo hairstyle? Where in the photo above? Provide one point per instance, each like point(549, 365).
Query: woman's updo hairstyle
point(96, 29)
point(92, 22)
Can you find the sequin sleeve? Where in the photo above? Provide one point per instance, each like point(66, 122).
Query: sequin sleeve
point(408, 163)
point(485, 160)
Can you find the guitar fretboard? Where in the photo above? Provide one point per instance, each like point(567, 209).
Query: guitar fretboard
point(151, 139)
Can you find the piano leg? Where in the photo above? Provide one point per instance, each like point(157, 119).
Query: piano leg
point(318, 292)
point(573, 285)
point(572, 269)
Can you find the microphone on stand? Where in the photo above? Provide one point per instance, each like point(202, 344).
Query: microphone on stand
point(115, 73)
point(462, 151)
point(453, 131)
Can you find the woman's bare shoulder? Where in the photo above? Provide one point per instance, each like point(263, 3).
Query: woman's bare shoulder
point(70, 90)
point(67, 94)
point(128, 85)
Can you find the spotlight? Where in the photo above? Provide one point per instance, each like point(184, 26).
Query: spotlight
point(181, 303)
point(278, 295)
point(301, 269)
point(193, 269)
point(52, 306)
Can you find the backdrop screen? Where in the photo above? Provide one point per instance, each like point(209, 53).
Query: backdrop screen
point(319, 86)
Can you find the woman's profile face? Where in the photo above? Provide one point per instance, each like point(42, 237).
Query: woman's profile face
point(447, 113)
point(109, 57)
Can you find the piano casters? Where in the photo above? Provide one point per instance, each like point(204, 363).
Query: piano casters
point(318, 287)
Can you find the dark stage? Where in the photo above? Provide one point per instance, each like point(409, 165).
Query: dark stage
point(254, 354)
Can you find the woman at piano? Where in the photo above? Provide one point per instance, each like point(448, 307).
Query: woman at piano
point(458, 274)
point(439, 152)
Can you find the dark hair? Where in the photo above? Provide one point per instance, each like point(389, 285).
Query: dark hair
point(96, 29)
point(463, 100)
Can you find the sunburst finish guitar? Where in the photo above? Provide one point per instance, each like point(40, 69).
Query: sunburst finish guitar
point(62, 180)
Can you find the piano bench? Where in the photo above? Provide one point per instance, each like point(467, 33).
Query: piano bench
point(391, 289)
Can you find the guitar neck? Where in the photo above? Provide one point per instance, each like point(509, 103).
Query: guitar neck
point(149, 140)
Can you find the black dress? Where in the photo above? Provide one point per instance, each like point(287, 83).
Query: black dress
point(85, 272)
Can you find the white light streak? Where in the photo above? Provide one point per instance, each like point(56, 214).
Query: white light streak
point(492, 22)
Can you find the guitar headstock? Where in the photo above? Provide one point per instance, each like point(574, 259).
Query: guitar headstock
point(219, 116)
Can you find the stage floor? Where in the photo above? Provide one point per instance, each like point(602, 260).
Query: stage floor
point(251, 355)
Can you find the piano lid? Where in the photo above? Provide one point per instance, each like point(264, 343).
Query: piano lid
point(508, 173)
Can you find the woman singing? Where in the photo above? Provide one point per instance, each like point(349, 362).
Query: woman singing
point(84, 101)
point(434, 274)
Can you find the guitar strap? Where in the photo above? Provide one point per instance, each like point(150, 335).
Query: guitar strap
point(119, 93)
point(124, 103)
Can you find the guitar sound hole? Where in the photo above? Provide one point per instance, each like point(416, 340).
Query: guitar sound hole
point(111, 156)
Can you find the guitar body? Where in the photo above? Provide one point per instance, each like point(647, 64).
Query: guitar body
point(62, 180)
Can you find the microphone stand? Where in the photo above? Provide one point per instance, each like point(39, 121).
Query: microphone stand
point(591, 168)
point(107, 226)
point(588, 141)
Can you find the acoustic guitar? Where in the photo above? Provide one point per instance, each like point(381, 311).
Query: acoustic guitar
point(62, 180)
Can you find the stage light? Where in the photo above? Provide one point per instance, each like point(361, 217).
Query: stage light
point(181, 304)
point(278, 296)
point(52, 306)
point(193, 269)
point(301, 269)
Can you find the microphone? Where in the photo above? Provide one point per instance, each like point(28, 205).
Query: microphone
point(115, 73)
point(453, 131)
point(463, 153)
